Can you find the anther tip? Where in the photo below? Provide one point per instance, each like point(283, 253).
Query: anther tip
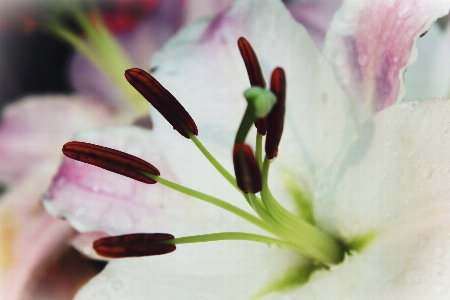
point(246, 168)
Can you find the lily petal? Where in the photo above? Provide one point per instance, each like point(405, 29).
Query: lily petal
point(45, 122)
point(399, 166)
point(409, 261)
point(93, 199)
point(371, 43)
point(193, 271)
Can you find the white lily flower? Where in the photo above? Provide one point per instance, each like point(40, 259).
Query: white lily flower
point(368, 172)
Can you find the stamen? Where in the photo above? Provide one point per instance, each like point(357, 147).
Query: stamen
point(134, 245)
point(246, 168)
point(254, 74)
point(162, 100)
point(276, 116)
point(111, 160)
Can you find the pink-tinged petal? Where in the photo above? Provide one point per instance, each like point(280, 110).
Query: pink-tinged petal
point(371, 43)
point(34, 129)
point(203, 68)
point(315, 15)
point(92, 199)
point(218, 270)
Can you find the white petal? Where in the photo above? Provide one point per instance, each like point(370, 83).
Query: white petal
point(400, 164)
point(411, 260)
point(220, 270)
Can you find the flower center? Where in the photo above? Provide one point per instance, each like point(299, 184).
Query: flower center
point(265, 109)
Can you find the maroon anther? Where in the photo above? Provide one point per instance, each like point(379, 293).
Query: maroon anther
point(254, 74)
point(248, 174)
point(134, 245)
point(162, 100)
point(251, 63)
point(276, 116)
point(111, 160)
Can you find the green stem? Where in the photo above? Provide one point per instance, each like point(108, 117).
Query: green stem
point(245, 126)
point(221, 169)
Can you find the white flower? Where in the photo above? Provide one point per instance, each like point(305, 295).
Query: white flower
point(375, 169)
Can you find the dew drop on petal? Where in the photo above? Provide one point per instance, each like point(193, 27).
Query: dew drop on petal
point(100, 296)
point(404, 9)
point(363, 59)
point(414, 277)
point(429, 173)
point(439, 252)
point(439, 289)
point(117, 284)
point(413, 105)
point(437, 269)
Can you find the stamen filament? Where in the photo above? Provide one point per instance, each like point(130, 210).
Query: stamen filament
point(233, 236)
point(258, 150)
point(212, 200)
point(221, 169)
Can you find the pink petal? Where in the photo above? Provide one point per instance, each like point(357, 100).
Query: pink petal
point(370, 44)
point(93, 199)
point(29, 237)
point(35, 128)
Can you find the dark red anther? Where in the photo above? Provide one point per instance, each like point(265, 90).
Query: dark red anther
point(162, 100)
point(134, 245)
point(251, 63)
point(276, 116)
point(254, 74)
point(111, 160)
point(248, 174)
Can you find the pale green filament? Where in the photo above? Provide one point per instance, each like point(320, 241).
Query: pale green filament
point(101, 48)
point(231, 236)
point(212, 200)
point(258, 151)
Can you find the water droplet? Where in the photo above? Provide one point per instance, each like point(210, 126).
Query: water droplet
point(340, 59)
point(390, 286)
point(117, 284)
point(414, 277)
point(363, 59)
point(60, 181)
point(429, 173)
point(413, 105)
point(445, 129)
point(437, 269)
point(439, 252)
point(439, 289)
point(404, 9)
point(389, 3)
point(100, 296)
